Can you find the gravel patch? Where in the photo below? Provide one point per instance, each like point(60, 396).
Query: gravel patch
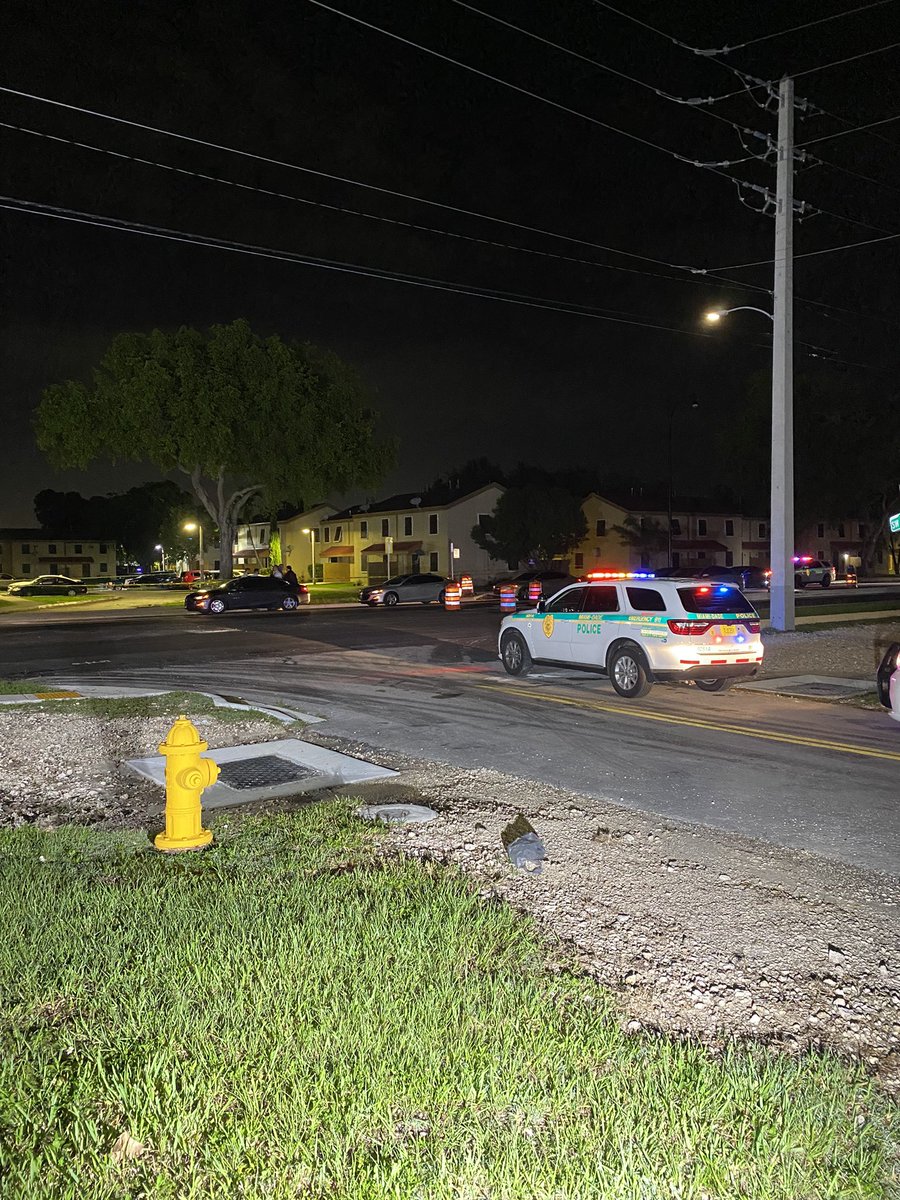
point(852, 651)
point(61, 768)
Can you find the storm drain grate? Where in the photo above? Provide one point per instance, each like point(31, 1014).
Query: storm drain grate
point(268, 770)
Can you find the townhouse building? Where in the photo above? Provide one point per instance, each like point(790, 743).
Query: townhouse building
point(26, 553)
point(401, 534)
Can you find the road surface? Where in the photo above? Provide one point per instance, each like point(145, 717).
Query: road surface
point(426, 683)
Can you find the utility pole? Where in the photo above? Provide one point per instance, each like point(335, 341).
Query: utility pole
point(781, 528)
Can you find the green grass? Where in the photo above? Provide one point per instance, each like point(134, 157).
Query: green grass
point(15, 687)
point(334, 593)
point(285, 1015)
point(168, 704)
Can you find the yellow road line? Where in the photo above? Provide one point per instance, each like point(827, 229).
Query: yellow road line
point(647, 714)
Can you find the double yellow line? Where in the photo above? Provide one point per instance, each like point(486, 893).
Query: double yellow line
point(646, 714)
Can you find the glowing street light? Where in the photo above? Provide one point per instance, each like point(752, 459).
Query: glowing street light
point(312, 553)
point(163, 554)
point(716, 314)
point(189, 527)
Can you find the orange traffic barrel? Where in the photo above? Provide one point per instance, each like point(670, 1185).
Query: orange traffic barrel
point(534, 591)
point(508, 597)
point(452, 595)
point(466, 585)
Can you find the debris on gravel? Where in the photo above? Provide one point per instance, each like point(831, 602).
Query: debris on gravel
point(851, 651)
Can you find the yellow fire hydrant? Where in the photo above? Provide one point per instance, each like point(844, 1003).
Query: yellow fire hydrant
point(187, 774)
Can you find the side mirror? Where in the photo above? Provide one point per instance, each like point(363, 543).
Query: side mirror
point(541, 605)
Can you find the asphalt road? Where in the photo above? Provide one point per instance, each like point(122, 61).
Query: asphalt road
point(426, 683)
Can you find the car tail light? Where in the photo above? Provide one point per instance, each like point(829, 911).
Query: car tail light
point(752, 626)
point(689, 628)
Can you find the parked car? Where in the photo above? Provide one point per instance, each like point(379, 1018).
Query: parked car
point(247, 591)
point(405, 589)
point(744, 576)
point(551, 581)
point(812, 570)
point(151, 579)
point(48, 585)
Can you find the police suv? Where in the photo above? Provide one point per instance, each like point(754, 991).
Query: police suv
point(637, 629)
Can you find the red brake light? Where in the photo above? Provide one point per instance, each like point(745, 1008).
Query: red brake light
point(689, 628)
point(752, 626)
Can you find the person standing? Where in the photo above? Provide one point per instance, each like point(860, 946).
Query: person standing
point(290, 576)
point(277, 572)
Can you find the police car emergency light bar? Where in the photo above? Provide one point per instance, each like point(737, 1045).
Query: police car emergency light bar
point(621, 575)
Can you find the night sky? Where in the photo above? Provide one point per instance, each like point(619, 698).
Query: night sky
point(454, 376)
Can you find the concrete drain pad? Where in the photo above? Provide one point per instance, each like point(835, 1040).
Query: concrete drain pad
point(826, 686)
point(397, 814)
point(287, 767)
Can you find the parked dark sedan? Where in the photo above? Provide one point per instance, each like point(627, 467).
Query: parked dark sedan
point(405, 589)
point(745, 576)
point(248, 591)
point(550, 581)
point(47, 585)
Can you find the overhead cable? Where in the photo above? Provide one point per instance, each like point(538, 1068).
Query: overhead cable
point(766, 262)
point(827, 137)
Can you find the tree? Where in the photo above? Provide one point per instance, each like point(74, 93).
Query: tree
point(460, 481)
point(138, 519)
point(644, 534)
point(532, 524)
point(239, 415)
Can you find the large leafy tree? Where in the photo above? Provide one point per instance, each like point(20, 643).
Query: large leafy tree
point(644, 534)
point(241, 416)
point(532, 524)
point(138, 518)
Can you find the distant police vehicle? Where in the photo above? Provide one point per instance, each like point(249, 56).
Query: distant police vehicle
point(638, 629)
point(812, 570)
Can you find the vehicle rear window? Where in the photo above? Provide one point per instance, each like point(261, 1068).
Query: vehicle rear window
point(716, 598)
point(645, 599)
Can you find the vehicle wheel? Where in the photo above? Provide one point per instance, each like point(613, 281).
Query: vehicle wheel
point(442, 599)
point(514, 654)
point(72, 592)
point(391, 599)
point(826, 581)
point(628, 672)
point(216, 607)
point(799, 582)
point(289, 603)
point(714, 685)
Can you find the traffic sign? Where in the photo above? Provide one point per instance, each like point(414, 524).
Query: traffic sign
point(895, 523)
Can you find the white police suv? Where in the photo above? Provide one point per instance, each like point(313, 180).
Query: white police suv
point(637, 629)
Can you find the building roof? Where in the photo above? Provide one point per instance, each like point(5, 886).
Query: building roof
point(403, 502)
point(43, 535)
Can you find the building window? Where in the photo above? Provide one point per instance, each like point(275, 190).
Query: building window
point(841, 532)
point(701, 527)
point(364, 528)
point(51, 549)
point(863, 531)
point(729, 530)
point(407, 526)
point(579, 560)
point(385, 527)
point(676, 558)
point(79, 549)
point(338, 530)
point(317, 535)
point(761, 530)
point(483, 519)
point(103, 547)
point(104, 567)
point(327, 533)
point(433, 561)
point(820, 531)
point(26, 548)
point(432, 522)
point(676, 527)
point(701, 555)
point(729, 559)
point(643, 522)
point(601, 529)
point(54, 568)
point(26, 568)
point(85, 570)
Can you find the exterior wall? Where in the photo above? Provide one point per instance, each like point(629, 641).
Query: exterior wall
point(25, 554)
point(603, 549)
point(251, 545)
point(296, 549)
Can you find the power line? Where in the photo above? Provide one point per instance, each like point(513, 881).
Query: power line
point(31, 207)
point(796, 28)
point(825, 162)
point(572, 112)
point(766, 262)
point(855, 129)
point(248, 154)
point(840, 62)
point(206, 177)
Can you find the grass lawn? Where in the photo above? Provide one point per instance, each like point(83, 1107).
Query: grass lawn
point(286, 1016)
point(334, 593)
point(168, 704)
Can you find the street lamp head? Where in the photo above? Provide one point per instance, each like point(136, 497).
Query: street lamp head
point(714, 314)
point(306, 531)
point(190, 526)
point(157, 547)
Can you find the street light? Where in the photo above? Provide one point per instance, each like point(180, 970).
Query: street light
point(163, 554)
point(312, 553)
point(189, 527)
point(676, 408)
point(781, 517)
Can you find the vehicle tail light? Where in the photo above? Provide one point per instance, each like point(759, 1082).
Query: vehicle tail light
point(689, 628)
point(752, 626)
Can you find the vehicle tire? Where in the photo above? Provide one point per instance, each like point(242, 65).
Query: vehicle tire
point(216, 607)
point(72, 592)
point(826, 581)
point(442, 599)
point(390, 600)
point(628, 672)
point(799, 582)
point(26, 592)
point(514, 654)
point(714, 685)
point(290, 604)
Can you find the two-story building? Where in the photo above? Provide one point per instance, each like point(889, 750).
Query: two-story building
point(26, 553)
point(405, 533)
point(251, 546)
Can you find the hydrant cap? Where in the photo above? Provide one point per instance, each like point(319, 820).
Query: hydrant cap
point(183, 734)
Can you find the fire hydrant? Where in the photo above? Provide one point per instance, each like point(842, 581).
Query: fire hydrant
point(187, 774)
